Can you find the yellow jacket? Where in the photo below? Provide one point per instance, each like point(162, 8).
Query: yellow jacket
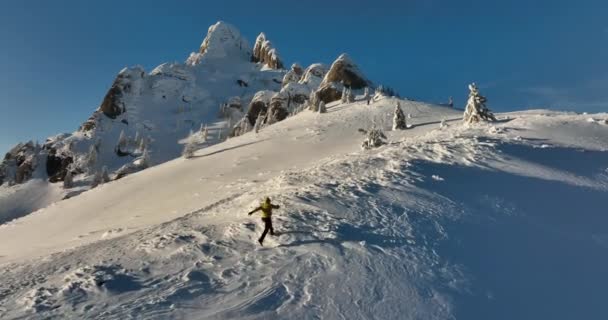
point(266, 208)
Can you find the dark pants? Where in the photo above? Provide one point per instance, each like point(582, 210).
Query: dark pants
point(267, 227)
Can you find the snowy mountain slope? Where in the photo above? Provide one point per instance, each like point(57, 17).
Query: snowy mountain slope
point(500, 221)
point(217, 173)
point(151, 114)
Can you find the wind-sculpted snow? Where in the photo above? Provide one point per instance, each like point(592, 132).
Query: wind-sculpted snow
point(500, 221)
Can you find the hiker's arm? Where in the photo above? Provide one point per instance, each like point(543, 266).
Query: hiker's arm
point(274, 206)
point(254, 210)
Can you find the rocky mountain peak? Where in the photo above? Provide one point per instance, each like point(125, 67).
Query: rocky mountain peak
point(224, 40)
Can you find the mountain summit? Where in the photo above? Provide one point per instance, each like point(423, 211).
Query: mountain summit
point(146, 118)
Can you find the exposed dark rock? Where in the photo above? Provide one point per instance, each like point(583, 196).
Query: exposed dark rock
point(57, 166)
point(111, 105)
point(242, 83)
point(255, 108)
point(346, 72)
point(260, 103)
point(278, 110)
point(329, 92)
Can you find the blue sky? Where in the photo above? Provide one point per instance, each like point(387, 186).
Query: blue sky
point(58, 58)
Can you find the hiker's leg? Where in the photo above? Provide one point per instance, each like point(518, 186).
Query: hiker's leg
point(270, 226)
point(266, 229)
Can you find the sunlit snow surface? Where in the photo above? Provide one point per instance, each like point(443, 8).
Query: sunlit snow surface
point(492, 221)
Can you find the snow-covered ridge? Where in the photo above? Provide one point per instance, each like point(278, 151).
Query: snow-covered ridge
point(153, 113)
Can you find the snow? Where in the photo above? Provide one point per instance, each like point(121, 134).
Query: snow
point(489, 221)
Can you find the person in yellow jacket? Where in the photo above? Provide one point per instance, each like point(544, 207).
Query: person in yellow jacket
point(266, 208)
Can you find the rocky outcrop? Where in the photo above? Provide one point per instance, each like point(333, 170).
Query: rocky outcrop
point(329, 92)
point(278, 109)
point(265, 53)
point(19, 163)
point(293, 75)
point(343, 72)
point(314, 74)
point(259, 104)
point(57, 165)
point(113, 105)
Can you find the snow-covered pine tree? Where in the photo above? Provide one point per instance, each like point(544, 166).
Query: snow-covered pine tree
point(145, 159)
point(366, 95)
point(476, 109)
point(189, 147)
point(313, 101)
point(105, 176)
point(137, 140)
point(451, 102)
point(322, 108)
point(122, 141)
point(205, 133)
point(97, 179)
point(91, 159)
point(350, 96)
point(344, 97)
point(399, 122)
point(142, 145)
point(219, 135)
point(259, 122)
point(68, 180)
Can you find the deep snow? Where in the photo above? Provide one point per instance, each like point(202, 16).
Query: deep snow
point(492, 221)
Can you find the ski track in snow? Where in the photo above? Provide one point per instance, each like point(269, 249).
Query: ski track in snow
point(489, 221)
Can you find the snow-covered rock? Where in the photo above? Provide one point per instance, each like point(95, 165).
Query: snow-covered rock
point(343, 72)
point(293, 75)
point(265, 53)
point(223, 40)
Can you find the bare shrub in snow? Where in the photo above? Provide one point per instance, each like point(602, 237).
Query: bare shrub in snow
point(476, 109)
point(374, 138)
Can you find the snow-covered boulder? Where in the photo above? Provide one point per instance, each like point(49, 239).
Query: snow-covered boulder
point(265, 53)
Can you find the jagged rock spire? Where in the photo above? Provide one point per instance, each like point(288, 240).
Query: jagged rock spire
point(264, 52)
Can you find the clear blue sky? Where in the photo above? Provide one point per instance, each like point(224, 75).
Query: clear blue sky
point(58, 58)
